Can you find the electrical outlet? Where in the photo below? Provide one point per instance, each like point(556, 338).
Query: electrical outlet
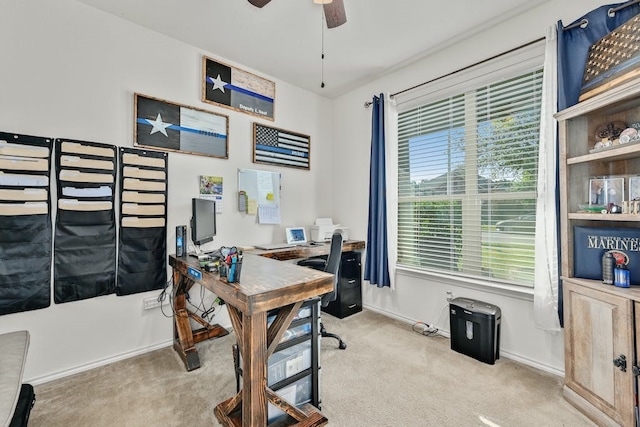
point(151, 302)
point(449, 296)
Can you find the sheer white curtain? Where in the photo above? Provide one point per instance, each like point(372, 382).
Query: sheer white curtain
point(545, 295)
point(391, 154)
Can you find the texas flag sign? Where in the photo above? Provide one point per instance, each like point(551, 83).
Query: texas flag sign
point(237, 89)
point(174, 127)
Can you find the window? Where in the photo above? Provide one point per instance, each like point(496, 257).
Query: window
point(467, 177)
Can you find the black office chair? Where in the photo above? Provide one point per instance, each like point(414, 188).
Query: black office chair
point(329, 265)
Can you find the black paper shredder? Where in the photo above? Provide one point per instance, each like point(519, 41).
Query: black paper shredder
point(475, 329)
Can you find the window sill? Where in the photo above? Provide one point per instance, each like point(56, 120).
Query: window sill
point(512, 291)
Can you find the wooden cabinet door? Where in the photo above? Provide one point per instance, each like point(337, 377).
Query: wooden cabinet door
point(599, 327)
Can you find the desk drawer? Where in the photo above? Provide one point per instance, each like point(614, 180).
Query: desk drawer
point(288, 362)
point(303, 313)
point(298, 393)
point(350, 265)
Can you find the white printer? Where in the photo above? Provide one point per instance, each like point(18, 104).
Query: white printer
point(324, 228)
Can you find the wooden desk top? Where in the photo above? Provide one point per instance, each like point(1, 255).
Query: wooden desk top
point(286, 254)
point(264, 283)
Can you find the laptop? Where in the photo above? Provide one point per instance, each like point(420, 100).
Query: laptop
point(272, 246)
point(296, 235)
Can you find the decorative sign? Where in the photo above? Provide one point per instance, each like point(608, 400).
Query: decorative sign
point(590, 244)
point(237, 89)
point(174, 127)
point(273, 146)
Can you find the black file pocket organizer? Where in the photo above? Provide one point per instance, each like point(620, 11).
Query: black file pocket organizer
point(25, 223)
point(142, 249)
point(85, 231)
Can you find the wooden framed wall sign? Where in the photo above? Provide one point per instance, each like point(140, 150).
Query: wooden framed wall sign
point(240, 90)
point(169, 126)
point(273, 146)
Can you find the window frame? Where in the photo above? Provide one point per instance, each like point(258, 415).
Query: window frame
point(518, 62)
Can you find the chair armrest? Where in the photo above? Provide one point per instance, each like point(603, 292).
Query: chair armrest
point(315, 263)
point(13, 357)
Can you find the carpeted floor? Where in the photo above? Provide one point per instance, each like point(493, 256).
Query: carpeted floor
point(388, 376)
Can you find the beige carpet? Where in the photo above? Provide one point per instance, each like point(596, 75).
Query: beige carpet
point(388, 376)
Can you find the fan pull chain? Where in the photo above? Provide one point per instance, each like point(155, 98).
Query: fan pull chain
point(322, 55)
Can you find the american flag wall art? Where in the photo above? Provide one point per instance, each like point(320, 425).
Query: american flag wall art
point(280, 147)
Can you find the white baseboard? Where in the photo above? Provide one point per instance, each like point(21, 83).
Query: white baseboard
point(507, 354)
point(98, 363)
point(116, 358)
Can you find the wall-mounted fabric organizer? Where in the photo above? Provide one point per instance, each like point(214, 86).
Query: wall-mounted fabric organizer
point(85, 231)
point(25, 223)
point(142, 248)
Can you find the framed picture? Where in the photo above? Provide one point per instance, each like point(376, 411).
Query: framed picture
point(240, 90)
point(169, 126)
point(634, 188)
point(603, 191)
point(273, 146)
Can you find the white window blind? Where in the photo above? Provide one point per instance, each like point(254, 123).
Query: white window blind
point(467, 176)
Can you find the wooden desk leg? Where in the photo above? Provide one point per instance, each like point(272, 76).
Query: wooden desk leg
point(183, 341)
point(254, 371)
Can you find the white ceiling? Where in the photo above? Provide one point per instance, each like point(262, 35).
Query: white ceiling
point(284, 39)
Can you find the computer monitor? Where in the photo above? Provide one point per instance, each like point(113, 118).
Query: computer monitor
point(203, 220)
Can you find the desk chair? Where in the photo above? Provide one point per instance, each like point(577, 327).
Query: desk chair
point(330, 265)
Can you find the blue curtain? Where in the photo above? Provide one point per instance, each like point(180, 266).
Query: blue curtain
point(573, 49)
point(376, 269)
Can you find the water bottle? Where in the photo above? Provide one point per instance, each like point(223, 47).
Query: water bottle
point(608, 263)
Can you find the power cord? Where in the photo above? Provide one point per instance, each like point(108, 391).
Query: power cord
point(206, 313)
point(163, 296)
point(426, 329)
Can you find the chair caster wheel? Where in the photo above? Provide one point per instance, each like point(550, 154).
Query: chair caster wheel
point(342, 345)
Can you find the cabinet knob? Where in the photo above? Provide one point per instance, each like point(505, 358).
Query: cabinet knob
point(621, 362)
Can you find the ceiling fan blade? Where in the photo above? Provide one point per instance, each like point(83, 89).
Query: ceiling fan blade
point(334, 13)
point(259, 3)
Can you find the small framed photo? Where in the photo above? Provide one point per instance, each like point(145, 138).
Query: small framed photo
point(634, 188)
point(603, 191)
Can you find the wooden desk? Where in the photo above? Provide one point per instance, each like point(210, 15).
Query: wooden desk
point(264, 284)
point(287, 254)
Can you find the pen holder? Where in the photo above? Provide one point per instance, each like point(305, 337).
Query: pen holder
point(231, 271)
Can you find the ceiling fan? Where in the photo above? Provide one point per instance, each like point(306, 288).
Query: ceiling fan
point(333, 10)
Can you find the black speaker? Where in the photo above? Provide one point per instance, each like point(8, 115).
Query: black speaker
point(181, 235)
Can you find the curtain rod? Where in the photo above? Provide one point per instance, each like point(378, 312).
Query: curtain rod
point(582, 23)
point(611, 12)
point(469, 66)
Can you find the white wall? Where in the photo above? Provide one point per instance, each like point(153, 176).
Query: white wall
point(68, 70)
point(420, 297)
